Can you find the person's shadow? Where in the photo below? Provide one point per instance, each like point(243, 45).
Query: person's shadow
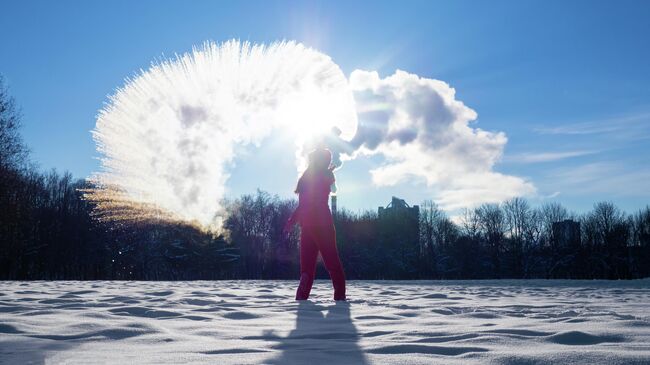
point(321, 339)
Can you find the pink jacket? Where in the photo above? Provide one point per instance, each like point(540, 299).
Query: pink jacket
point(313, 194)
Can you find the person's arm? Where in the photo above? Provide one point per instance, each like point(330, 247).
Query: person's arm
point(295, 216)
point(293, 219)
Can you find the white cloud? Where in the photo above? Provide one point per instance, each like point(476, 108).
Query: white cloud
point(423, 133)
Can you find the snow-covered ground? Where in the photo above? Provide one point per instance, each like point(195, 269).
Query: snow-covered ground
point(257, 322)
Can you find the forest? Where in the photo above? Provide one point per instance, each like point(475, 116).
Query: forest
point(48, 232)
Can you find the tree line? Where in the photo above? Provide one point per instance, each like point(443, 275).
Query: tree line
point(47, 231)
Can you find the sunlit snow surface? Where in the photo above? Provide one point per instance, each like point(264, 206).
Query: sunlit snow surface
point(257, 322)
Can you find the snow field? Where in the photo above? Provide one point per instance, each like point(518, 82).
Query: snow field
point(384, 322)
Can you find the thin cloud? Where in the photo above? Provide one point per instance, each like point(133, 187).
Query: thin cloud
point(537, 157)
point(629, 125)
point(607, 178)
point(552, 195)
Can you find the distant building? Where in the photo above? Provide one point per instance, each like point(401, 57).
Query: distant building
point(566, 233)
point(399, 208)
point(401, 219)
point(398, 228)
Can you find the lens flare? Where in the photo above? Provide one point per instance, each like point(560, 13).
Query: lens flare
point(167, 136)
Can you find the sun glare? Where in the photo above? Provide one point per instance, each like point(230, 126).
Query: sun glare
point(310, 114)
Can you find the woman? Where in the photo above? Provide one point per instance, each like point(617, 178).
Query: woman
point(317, 226)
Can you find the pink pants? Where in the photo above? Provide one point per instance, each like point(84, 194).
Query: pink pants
point(315, 239)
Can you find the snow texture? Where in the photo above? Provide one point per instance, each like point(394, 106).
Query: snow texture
point(389, 322)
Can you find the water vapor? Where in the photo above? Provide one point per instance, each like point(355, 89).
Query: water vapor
point(168, 135)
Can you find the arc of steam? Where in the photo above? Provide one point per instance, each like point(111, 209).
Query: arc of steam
point(167, 136)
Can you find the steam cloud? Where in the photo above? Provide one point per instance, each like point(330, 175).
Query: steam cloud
point(168, 136)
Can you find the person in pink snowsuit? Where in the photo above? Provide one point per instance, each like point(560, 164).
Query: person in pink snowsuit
point(317, 234)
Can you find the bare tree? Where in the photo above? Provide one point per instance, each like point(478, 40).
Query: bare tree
point(551, 213)
point(470, 222)
point(606, 232)
point(641, 227)
point(524, 226)
point(517, 213)
point(13, 153)
point(437, 236)
point(493, 225)
point(430, 214)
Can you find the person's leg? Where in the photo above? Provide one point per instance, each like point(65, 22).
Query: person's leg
point(326, 241)
point(308, 256)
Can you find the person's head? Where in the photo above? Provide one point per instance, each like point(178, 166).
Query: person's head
point(320, 159)
point(319, 163)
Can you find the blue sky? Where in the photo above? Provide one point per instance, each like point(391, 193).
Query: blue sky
point(567, 82)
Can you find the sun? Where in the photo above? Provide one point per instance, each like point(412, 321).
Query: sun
point(311, 114)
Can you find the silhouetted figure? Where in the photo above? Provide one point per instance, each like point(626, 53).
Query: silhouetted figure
point(317, 226)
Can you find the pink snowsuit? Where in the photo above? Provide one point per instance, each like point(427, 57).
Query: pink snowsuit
point(317, 233)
